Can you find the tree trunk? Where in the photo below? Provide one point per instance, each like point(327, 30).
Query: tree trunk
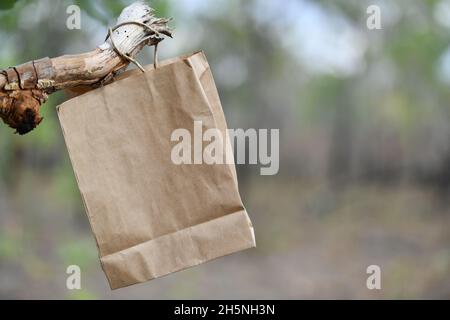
point(24, 88)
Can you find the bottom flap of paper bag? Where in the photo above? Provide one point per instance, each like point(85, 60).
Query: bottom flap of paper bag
point(179, 250)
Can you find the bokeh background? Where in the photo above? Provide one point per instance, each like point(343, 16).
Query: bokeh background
point(364, 119)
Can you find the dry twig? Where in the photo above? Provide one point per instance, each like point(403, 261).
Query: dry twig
point(24, 88)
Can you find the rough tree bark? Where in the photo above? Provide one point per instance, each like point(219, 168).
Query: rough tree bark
point(24, 88)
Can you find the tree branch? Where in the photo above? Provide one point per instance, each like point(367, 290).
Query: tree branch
point(24, 88)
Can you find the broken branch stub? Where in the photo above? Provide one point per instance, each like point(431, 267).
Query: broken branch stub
point(24, 88)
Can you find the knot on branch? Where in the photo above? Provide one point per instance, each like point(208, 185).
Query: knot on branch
point(20, 109)
point(23, 94)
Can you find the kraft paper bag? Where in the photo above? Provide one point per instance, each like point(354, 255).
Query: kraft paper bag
point(151, 217)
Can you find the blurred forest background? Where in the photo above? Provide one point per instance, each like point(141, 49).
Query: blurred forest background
point(364, 119)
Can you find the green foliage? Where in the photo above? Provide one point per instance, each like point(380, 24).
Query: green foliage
point(162, 7)
point(7, 4)
point(80, 252)
point(82, 295)
point(93, 11)
point(10, 246)
point(9, 13)
point(107, 11)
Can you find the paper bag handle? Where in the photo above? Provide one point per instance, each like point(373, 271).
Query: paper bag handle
point(127, 57)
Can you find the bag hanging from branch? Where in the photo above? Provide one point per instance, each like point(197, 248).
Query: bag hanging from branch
point(152, 217)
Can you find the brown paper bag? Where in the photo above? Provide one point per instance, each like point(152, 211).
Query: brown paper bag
point(151, 217)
